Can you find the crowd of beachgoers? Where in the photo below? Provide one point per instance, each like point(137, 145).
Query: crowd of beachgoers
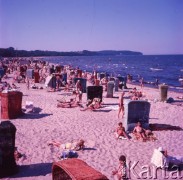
point(53, 123)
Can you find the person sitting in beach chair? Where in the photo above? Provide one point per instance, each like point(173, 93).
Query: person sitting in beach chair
point(120, 132)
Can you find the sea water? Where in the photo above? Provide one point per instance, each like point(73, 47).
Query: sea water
point(166, 68)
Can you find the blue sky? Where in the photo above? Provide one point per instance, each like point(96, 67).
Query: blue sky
point(148, 26)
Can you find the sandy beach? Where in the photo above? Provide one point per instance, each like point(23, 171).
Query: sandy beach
point(35, 130)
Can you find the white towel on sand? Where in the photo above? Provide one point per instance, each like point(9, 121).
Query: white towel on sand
point(157, 158)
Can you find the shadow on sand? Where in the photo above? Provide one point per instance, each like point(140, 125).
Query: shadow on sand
point(101, 110)
point(88, 148)
point(34, 116)
point(164, 127)
point(31, 170)
point(109, 104)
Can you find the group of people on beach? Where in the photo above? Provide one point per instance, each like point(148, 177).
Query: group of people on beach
point(138, 132)
point(44, 70)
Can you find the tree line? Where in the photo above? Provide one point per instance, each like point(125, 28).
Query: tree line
point(11, 52)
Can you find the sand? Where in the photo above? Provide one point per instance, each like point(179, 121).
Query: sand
point(48, 122)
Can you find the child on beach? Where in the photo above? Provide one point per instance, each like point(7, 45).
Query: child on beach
point(121, 104)
point(120, 132)
point(121, 172)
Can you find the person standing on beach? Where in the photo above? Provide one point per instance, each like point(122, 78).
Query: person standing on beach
point(142, 83)
point(79, 90)
point(121, 104)
point(157, 82)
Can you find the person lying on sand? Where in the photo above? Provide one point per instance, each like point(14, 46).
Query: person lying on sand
point(120, 132)
point(92, 105)
point(68, 104)
point(69, 146)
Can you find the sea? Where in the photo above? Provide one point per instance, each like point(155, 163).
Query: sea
point(167, 69)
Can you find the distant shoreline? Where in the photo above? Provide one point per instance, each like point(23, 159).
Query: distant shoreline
point(11, 52)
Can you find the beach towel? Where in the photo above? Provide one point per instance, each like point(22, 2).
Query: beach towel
point(120, 137)
point(112, 107)
point(157, 158)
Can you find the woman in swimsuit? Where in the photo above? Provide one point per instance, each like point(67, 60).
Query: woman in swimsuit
point(140, 132)
point(121, 104)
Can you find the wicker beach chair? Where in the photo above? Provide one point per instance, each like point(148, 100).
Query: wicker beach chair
point(75, 169)
point(136, 111)
point(94, 92)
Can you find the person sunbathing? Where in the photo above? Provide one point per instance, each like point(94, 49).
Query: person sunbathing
point(150, 135)
point(139, 132)
point(68, 104)
point(92, 105)
point(120, 132)
point(69, 146)
point(71, 103)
